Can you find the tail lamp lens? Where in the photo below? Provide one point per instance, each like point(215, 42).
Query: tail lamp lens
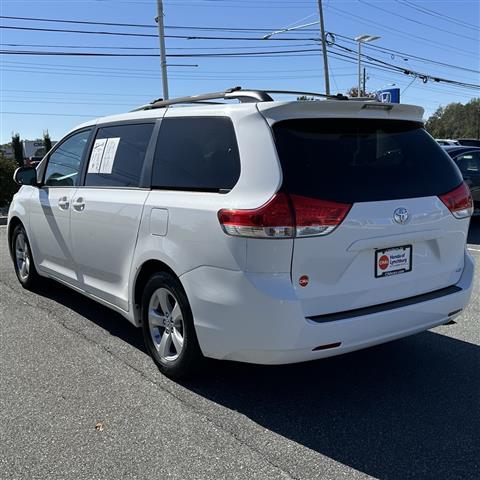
point(317, 217)
point(285, 216)
point(459, 201)
point(272, 220)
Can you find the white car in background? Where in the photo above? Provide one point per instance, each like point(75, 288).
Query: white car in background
point(447, 141)
point(266, 232)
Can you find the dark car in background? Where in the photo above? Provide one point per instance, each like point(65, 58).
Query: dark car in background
point(468, 161)
point(469, 142)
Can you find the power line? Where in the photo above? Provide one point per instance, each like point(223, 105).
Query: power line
point(150, 48)
point(418, 22)
point(405, 56)
point(442, 16)
point(186, 36)
point(148, 35)
point(52, 114)
point(144, 25)
point(30, 101)
point(360, 19)
point(423, 59)
point(78, 22)
point(81, 93)
point(381, 49)
point(408, 71)
point(371, 60)
point(175, 55)
point(155, 77)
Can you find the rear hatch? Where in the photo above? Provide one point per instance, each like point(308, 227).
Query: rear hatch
point(385, 190)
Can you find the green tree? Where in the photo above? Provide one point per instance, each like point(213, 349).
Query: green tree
point(456, 121)
point(47, 141)
point(354, 90)
point(7, 186)
point(17, 148)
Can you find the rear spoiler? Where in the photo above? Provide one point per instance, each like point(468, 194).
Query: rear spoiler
point(274, 112)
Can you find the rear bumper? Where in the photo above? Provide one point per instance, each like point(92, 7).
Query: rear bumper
point(256, 318)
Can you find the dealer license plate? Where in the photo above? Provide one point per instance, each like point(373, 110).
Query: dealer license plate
point(393, 261)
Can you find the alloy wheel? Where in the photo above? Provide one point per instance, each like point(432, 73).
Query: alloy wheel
point(166, 324)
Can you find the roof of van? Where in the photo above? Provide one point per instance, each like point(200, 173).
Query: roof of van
point(279, 110)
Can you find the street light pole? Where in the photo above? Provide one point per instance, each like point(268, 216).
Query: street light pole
point(359, 69)
point(324, 49)
point(362, 39)
point(163, 56)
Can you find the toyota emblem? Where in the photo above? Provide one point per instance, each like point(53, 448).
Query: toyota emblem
point(401, 215)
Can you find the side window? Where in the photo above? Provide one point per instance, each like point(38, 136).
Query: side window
point(64, 163)
point(469, 163)
point(118, 155)
point(198, 153)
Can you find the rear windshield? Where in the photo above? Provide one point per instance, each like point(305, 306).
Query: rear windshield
point(358, 160)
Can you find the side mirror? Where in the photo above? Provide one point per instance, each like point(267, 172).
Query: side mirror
point(26, 176)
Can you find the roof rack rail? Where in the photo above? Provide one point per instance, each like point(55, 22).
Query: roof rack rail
point(236, 93)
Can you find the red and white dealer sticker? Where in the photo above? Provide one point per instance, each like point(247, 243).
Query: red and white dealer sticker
point(392, 261)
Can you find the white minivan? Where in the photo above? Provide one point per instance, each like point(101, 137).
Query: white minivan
point(261, 231)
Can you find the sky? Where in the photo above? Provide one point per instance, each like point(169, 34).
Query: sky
point(438, 39)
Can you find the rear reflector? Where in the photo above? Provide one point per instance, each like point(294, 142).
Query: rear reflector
point(285, 216)
point(459, 201)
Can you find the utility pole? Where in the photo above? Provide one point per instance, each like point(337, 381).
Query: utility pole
point(163, 56)
point(364, 90)
point(324, 49)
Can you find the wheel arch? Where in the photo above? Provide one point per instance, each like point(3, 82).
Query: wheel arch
point(144, 272)
point(12, 224)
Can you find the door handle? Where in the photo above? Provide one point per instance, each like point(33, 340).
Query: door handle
point(63, 203)
point(79, 204)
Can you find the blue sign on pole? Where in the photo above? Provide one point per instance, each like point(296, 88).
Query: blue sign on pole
point(389, 95)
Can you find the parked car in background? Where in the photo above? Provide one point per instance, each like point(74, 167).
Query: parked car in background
point(447, 141)
point(268, 231)
point(468, 161)
point(33, 161)
point(469, 142)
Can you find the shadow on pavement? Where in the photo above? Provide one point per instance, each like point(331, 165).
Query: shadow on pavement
point(105, 318)
point(474, 233)
point(408, 409)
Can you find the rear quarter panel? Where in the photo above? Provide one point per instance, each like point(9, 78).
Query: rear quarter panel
point(181, 228)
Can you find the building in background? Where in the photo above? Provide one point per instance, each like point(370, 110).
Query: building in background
point(7, 151)
point(33, 148)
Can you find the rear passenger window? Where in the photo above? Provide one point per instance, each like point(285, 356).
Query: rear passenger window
point(196, 154)
point(118, 155)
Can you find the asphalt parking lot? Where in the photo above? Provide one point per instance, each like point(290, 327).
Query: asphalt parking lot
point(408, 409)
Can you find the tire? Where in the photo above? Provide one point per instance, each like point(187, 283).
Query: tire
point(168, 328)
point(23, 259)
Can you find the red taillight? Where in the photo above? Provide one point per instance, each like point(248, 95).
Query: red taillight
point(459, 201)
point(317, 217)
point(285, 217)
point(272, 220)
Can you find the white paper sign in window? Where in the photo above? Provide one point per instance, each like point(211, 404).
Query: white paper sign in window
point(96, 156)
point(109, 155)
